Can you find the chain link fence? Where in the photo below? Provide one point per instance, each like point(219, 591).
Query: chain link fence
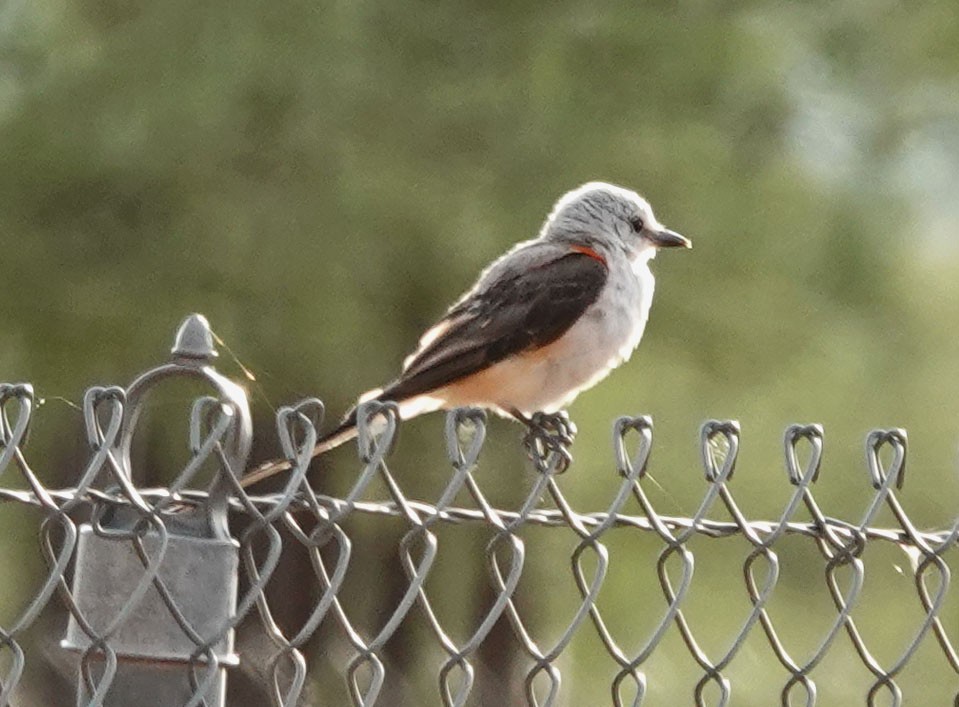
point(176, 595)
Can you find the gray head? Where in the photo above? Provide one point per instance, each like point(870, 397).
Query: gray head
point(605, 214)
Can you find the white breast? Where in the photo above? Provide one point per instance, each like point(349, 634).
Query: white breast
point(549, 378)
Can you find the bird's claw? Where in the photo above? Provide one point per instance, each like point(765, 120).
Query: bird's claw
point(549, 434)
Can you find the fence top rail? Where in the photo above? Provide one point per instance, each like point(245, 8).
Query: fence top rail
point(541, 517)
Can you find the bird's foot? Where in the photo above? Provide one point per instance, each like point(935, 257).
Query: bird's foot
point(548, 439)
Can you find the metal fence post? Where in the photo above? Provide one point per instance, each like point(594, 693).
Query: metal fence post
point(154, 589)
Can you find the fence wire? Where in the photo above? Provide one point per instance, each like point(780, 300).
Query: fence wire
point(168, 529)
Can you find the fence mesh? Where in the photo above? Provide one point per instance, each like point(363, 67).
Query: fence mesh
point(289, 656)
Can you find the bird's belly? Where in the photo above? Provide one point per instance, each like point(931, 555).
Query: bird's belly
point(548, 378)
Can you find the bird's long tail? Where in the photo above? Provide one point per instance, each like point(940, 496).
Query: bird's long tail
point(345, 431)
point(342, 434)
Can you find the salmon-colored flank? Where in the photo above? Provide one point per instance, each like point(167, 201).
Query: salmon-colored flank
point(586, 250)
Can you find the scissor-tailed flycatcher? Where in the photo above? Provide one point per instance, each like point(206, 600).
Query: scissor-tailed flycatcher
point(548, 319)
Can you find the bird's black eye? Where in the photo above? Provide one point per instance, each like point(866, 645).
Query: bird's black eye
point(637, 223)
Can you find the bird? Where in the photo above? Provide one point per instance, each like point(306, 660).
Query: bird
point(547, 320)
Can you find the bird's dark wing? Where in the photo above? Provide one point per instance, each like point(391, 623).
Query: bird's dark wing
point(503, 317)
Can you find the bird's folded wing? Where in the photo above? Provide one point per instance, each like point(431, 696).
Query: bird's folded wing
point(506, 314)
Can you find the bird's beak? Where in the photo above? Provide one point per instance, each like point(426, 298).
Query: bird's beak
point(669, 239)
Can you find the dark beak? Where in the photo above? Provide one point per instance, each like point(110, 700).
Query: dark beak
point(669, 239)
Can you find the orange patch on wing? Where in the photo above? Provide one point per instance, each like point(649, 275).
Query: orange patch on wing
point(586, 250)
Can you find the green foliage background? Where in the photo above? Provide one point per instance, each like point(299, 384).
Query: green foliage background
point(321, 179)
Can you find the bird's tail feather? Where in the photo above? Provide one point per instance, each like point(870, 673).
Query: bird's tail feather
point(342, 434)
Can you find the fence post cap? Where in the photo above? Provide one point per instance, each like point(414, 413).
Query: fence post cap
point(194, 339)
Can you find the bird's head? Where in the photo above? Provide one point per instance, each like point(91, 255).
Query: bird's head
point(605, 214)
